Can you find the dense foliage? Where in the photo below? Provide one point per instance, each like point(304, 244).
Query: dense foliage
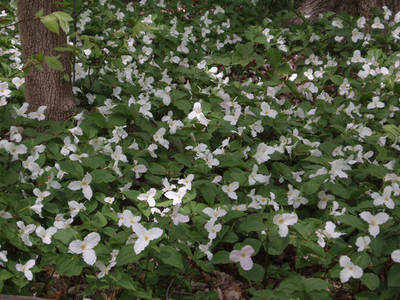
point(208, 137)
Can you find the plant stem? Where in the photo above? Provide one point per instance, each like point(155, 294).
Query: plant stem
point(147, 267)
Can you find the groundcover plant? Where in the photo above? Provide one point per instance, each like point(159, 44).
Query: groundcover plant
point(208, 137)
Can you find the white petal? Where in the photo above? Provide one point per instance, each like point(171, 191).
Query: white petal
point(75, 247)
point(28, 275)
point(357, 272)
point(87, 192)
point(344, 275)
point(75, 185)
point(396, 256)
point(283, 230)
point(91, 240)
point(30, 263)
point(89, 256)
point(140, 245)
point(154, 233)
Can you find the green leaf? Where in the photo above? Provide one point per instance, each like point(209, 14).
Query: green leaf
point(99, 221)
point(377, 171)
point(50, 21)
point(370, 280)
point(66, 236)
point(336, 79)
point(313, 185)
point(4, 274)
point(104, 176)
point(157, 169)
point(39, 14)
point(255, 274)
point(126, 284)
point(209, 191)
point(93, 162)
point(337, 189)
point(73, 168)
point(221, 257)
point(171, 256)
point(69, 265)
point(350, 220)
point(53, 62)
point(252, 223)
point(276, 243)
point(394, 276)
point(315, 284)
point(127, 256)
point(292, 87)
point(275, 57)
point(62, 16)
point(64, 25)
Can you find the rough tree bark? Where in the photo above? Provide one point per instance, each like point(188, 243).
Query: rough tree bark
point(44, 87)
point(354, 7)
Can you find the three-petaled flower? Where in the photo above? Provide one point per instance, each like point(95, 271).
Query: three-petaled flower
point(243, 256)
point(349, 269)
point(86, 247)
point(84, 185)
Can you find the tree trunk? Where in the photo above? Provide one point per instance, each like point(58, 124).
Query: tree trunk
point(354, 7)
point(44, 87)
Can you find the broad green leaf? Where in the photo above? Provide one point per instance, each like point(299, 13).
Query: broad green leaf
point(4, 274)
point(62, 16)
point(50, 21)
point(221, 257)
point(127, 256)
point(255, 274)
point(252, 223)
point(170, 256)
point(73, 168)
point(102, 176)
point(337, 189)
point(53, 62)
point(370, 280)
point(313, 185)
point(69, 265)
point(350, 220)
point(394, 276)
point(315, 284)
point(93, 162)
point(66, 236)
point(157, 169)
point(276, 243)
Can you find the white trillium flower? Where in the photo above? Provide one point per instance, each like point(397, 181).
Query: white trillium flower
point(176, 217)
point(176, 197)
point(243, 256)
point(212, 229)
point(283, 221)
point(26, 268)
point(374, 221)
point(230, 189)
point(144, 236)
point(45, 234)
point(86, 247)
point(363, 243)
point(84, 185)
point(75, 208)
point(149, 197)
point(103, 269)
point(349, 269)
